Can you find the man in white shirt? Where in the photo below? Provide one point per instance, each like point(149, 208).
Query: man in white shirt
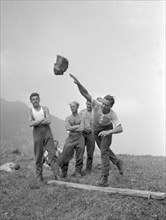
point(40, 119)
point(105, 124)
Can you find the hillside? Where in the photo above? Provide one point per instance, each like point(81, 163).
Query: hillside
point(14, 125)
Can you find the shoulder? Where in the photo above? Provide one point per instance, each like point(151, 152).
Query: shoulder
point(82, 111)
point(45, 108)
point(30, 113)
point(68, 118)
point(113, 113)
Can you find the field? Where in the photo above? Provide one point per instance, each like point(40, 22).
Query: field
point(22, 198)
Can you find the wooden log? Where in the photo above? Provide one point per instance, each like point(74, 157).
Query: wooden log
point(128, 192)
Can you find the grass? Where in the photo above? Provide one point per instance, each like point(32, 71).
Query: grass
point(22, 198)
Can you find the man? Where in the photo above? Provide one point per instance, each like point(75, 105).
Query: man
point(74, 142)
point(105, 124)
point(88, 136)
point(39, 118)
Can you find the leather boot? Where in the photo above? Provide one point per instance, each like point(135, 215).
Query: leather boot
point(63, 176)
point(104, 181)
point(76, 174)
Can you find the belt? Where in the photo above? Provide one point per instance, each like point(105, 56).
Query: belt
point(87, 132)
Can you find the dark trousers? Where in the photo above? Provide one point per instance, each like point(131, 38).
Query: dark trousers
point(72, 145)
point(104, 145)
point(43, 140)
point(90, 147)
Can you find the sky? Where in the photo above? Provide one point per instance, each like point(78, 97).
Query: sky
point(113, 47)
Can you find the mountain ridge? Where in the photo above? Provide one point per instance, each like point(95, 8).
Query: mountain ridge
point(15, 128)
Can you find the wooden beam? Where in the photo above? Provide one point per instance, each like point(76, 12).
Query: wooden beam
point(128, 192)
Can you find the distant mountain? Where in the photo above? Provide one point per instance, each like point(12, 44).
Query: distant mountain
point(15, 128)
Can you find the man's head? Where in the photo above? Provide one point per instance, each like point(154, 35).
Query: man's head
point(35, 99)
point(74, 106)
point(107, 102)
point(88, 106)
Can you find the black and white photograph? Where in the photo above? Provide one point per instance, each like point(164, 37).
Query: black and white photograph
point(82, 110)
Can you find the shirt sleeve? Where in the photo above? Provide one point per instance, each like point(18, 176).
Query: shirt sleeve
point(115, 120)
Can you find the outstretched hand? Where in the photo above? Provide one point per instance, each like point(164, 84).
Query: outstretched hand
point(75, 79)
point(104, 133)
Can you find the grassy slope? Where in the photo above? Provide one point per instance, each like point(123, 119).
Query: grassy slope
point(22, 199)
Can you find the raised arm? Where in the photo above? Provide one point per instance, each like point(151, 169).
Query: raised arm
point(82, 90)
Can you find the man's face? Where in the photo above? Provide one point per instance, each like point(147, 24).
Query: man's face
point(106, 105)
point(89, 106)
point(74, 107)
point(35, 100)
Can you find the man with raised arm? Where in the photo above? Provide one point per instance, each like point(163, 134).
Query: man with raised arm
point(105, 124)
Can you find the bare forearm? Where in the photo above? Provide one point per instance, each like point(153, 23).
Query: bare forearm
point(46, 121)
point(80, 128)
point(84, 92)
point(81, 88)
point(72, 127)
point(115, 130)
point(35, 122)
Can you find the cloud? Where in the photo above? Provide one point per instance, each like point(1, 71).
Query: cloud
point(125, 106)
point(136, 13)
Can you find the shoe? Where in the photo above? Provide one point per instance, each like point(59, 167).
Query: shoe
point(76, 174)
point(120, 166)
point(63, 175)
point(55, 177)
point(40, 180)
point(103, 182)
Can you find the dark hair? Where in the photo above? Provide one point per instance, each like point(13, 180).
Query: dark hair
point(110, 98)
point(34, 94)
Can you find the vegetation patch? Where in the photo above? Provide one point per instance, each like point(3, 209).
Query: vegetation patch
point(22, 198)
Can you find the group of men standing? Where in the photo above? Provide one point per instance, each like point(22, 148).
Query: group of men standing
point(96, 123)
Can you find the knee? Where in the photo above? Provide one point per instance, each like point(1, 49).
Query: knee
point(104, 153)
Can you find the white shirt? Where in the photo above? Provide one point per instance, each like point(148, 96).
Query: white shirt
point(100, 119)
point(38, 114)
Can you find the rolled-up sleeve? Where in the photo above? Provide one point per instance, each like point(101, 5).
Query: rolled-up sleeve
point(115, 119)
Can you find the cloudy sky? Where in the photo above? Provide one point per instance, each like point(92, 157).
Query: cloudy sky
point(113, 47)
